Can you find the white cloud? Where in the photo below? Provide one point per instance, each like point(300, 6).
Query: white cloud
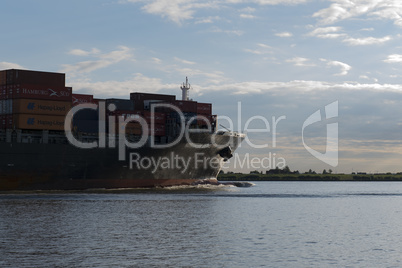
point(284, 34)
point(230, 32)
point(247, 16)
point(323, 30)
point(301, 86)
point(280, 2)
point(207, 20)
point(101, 60)
point(343, 66)
point(157, 60)
point(80, 52)
point(263, 49)
point(10, 65)
point(248, 10)
point(121, 88)
point(175, 10)
point(367, 41)
point(347, 9)
point(333, 33)
point(182, 10)
point(394, 58)
point(184, 61)
point(299, 61)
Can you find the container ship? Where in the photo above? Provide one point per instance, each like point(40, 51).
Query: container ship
point(54, 139)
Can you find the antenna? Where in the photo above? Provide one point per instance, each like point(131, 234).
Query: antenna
point(184, 90)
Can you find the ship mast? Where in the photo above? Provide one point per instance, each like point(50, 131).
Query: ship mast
point(184, 90)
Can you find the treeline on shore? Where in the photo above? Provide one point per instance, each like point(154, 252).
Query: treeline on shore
point(287, 175)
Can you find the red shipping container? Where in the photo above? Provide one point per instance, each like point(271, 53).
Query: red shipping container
point(3, 77)
point(124, 113)
point(204, 108)
point(15, 76)
point(82, 98)
point(157, 130)
point(210, 119)
point(159, 118)
point(96, 101)
point(186, 106)
point(24, 91)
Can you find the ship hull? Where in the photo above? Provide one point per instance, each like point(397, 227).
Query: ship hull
point(30, 166)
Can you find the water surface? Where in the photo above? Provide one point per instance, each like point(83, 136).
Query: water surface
point(273, 224)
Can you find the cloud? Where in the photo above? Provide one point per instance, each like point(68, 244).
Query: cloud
point(230, 32)
point(343, 66)
point(394, 58)
point(207, 20)
point(327, 32)
point(10, 65)
point(367, 41)
point(247, 16)
point(101, 60)
point(279, 2)
point(263, 49)
point(284, 34)
point(301, 86)
point(80, 52)
point(299, 61)
point(179, 11)
point(184, 61)
point(332, 33)
point(157, 60)
point(175, 10)
point(121, 88)
point(347, 9)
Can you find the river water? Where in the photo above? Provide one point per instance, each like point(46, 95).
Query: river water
point(272, 224)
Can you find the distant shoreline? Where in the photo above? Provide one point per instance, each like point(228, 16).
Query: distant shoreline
point(309, 177)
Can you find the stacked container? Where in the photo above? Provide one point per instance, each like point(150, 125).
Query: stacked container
point(205, 110)
point(33, 100)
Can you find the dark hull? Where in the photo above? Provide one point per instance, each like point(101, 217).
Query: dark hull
point(30, 166)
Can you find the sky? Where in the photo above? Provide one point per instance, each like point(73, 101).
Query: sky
point(267, 66)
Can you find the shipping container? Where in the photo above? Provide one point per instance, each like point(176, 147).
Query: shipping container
point(136, 129)
point(34, 106)
point(204, 108)
point(159, 118)
point(25, 91)
point(186, 106)
point(120, 104)
point(203, 120)
point(3, 77)
point(85, 126)
point(133, 128)
point(42, 122)
point(140, 98)
point(124, 113)
point(6, 107)
point(81, 98)
point(96, 101)
point(49, 79)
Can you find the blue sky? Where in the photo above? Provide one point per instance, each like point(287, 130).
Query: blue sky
point(276, 57)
